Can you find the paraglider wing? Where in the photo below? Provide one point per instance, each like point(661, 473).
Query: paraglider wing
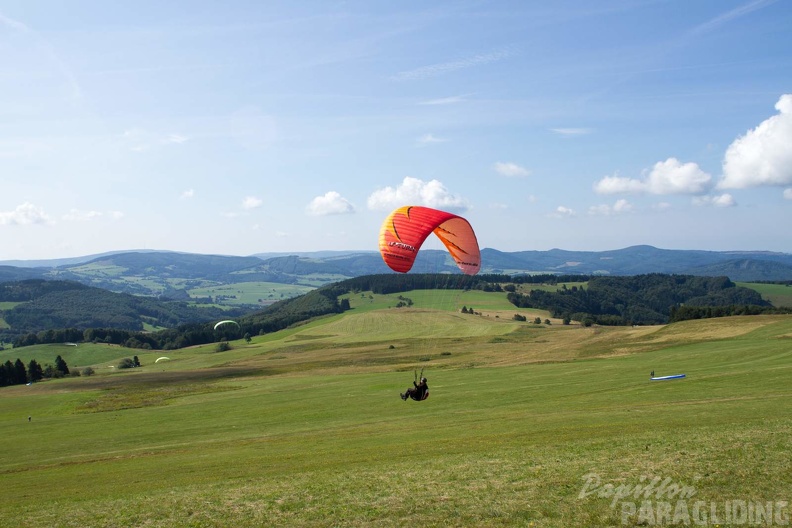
point(225, 322)
point(160, 359)
point(405, 229)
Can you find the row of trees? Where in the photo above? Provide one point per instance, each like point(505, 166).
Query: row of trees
point(17, 374)
point(640, 299)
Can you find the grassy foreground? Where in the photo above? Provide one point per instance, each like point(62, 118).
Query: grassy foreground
point(526, 425)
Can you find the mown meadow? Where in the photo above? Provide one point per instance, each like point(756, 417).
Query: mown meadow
point(526, 425)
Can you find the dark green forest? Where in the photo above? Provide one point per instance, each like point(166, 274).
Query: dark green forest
point(644, 299)
point(59, 304)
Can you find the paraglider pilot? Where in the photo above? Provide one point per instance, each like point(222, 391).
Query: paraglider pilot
point(418, 392)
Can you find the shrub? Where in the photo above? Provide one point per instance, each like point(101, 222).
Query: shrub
point(126, 363)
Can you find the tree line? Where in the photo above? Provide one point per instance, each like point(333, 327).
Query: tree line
point(645, 299)
point(17, 374)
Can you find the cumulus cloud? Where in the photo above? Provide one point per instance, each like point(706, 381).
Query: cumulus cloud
point(563, 212)
point(25, 214)
point(619, 207)
point(251, 202)
point(413, 191)
point(666, 177)
point(721, 200)
point(331, 203)
point(619, 185)
point(763, 155)
point(510, 169)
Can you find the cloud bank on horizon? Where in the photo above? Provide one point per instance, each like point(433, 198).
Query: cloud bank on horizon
point(286, 127)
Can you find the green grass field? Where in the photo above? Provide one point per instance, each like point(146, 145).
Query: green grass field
point(250, 293)
point(777, 294)
point(305, 427)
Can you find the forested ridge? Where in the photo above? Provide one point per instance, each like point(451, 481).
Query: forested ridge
point(641, 299)
point(59, 304)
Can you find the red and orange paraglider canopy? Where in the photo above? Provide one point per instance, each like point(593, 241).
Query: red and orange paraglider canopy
point(406, 228)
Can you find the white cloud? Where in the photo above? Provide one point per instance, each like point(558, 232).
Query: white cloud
point(413, 191)
point(563, 212)
point(618, 185)
point(251, 202)
point(666, 177)
point(142, 140)
point(762, 156)
point(721, 200)
point(788, 193)
point(177, 139)
point(75, 215)
point(25, 214)
point(569, 132)
point(186, 195)
point(445, 100)
point(619, 207)
point(622, 206)
point(428, 139)
point(332, 203)
point(672, 177)
point(510, 169)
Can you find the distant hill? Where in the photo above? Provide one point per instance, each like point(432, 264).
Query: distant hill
point(12, 273)
point(633, 260)
point(40, 305)
point(173, 274)
point(747, 270)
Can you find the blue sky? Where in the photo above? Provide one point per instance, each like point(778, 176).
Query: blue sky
point(246, 127)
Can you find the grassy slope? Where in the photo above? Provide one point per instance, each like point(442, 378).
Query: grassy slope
point(308, 430)
point(777, 294)
point(249, 293)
